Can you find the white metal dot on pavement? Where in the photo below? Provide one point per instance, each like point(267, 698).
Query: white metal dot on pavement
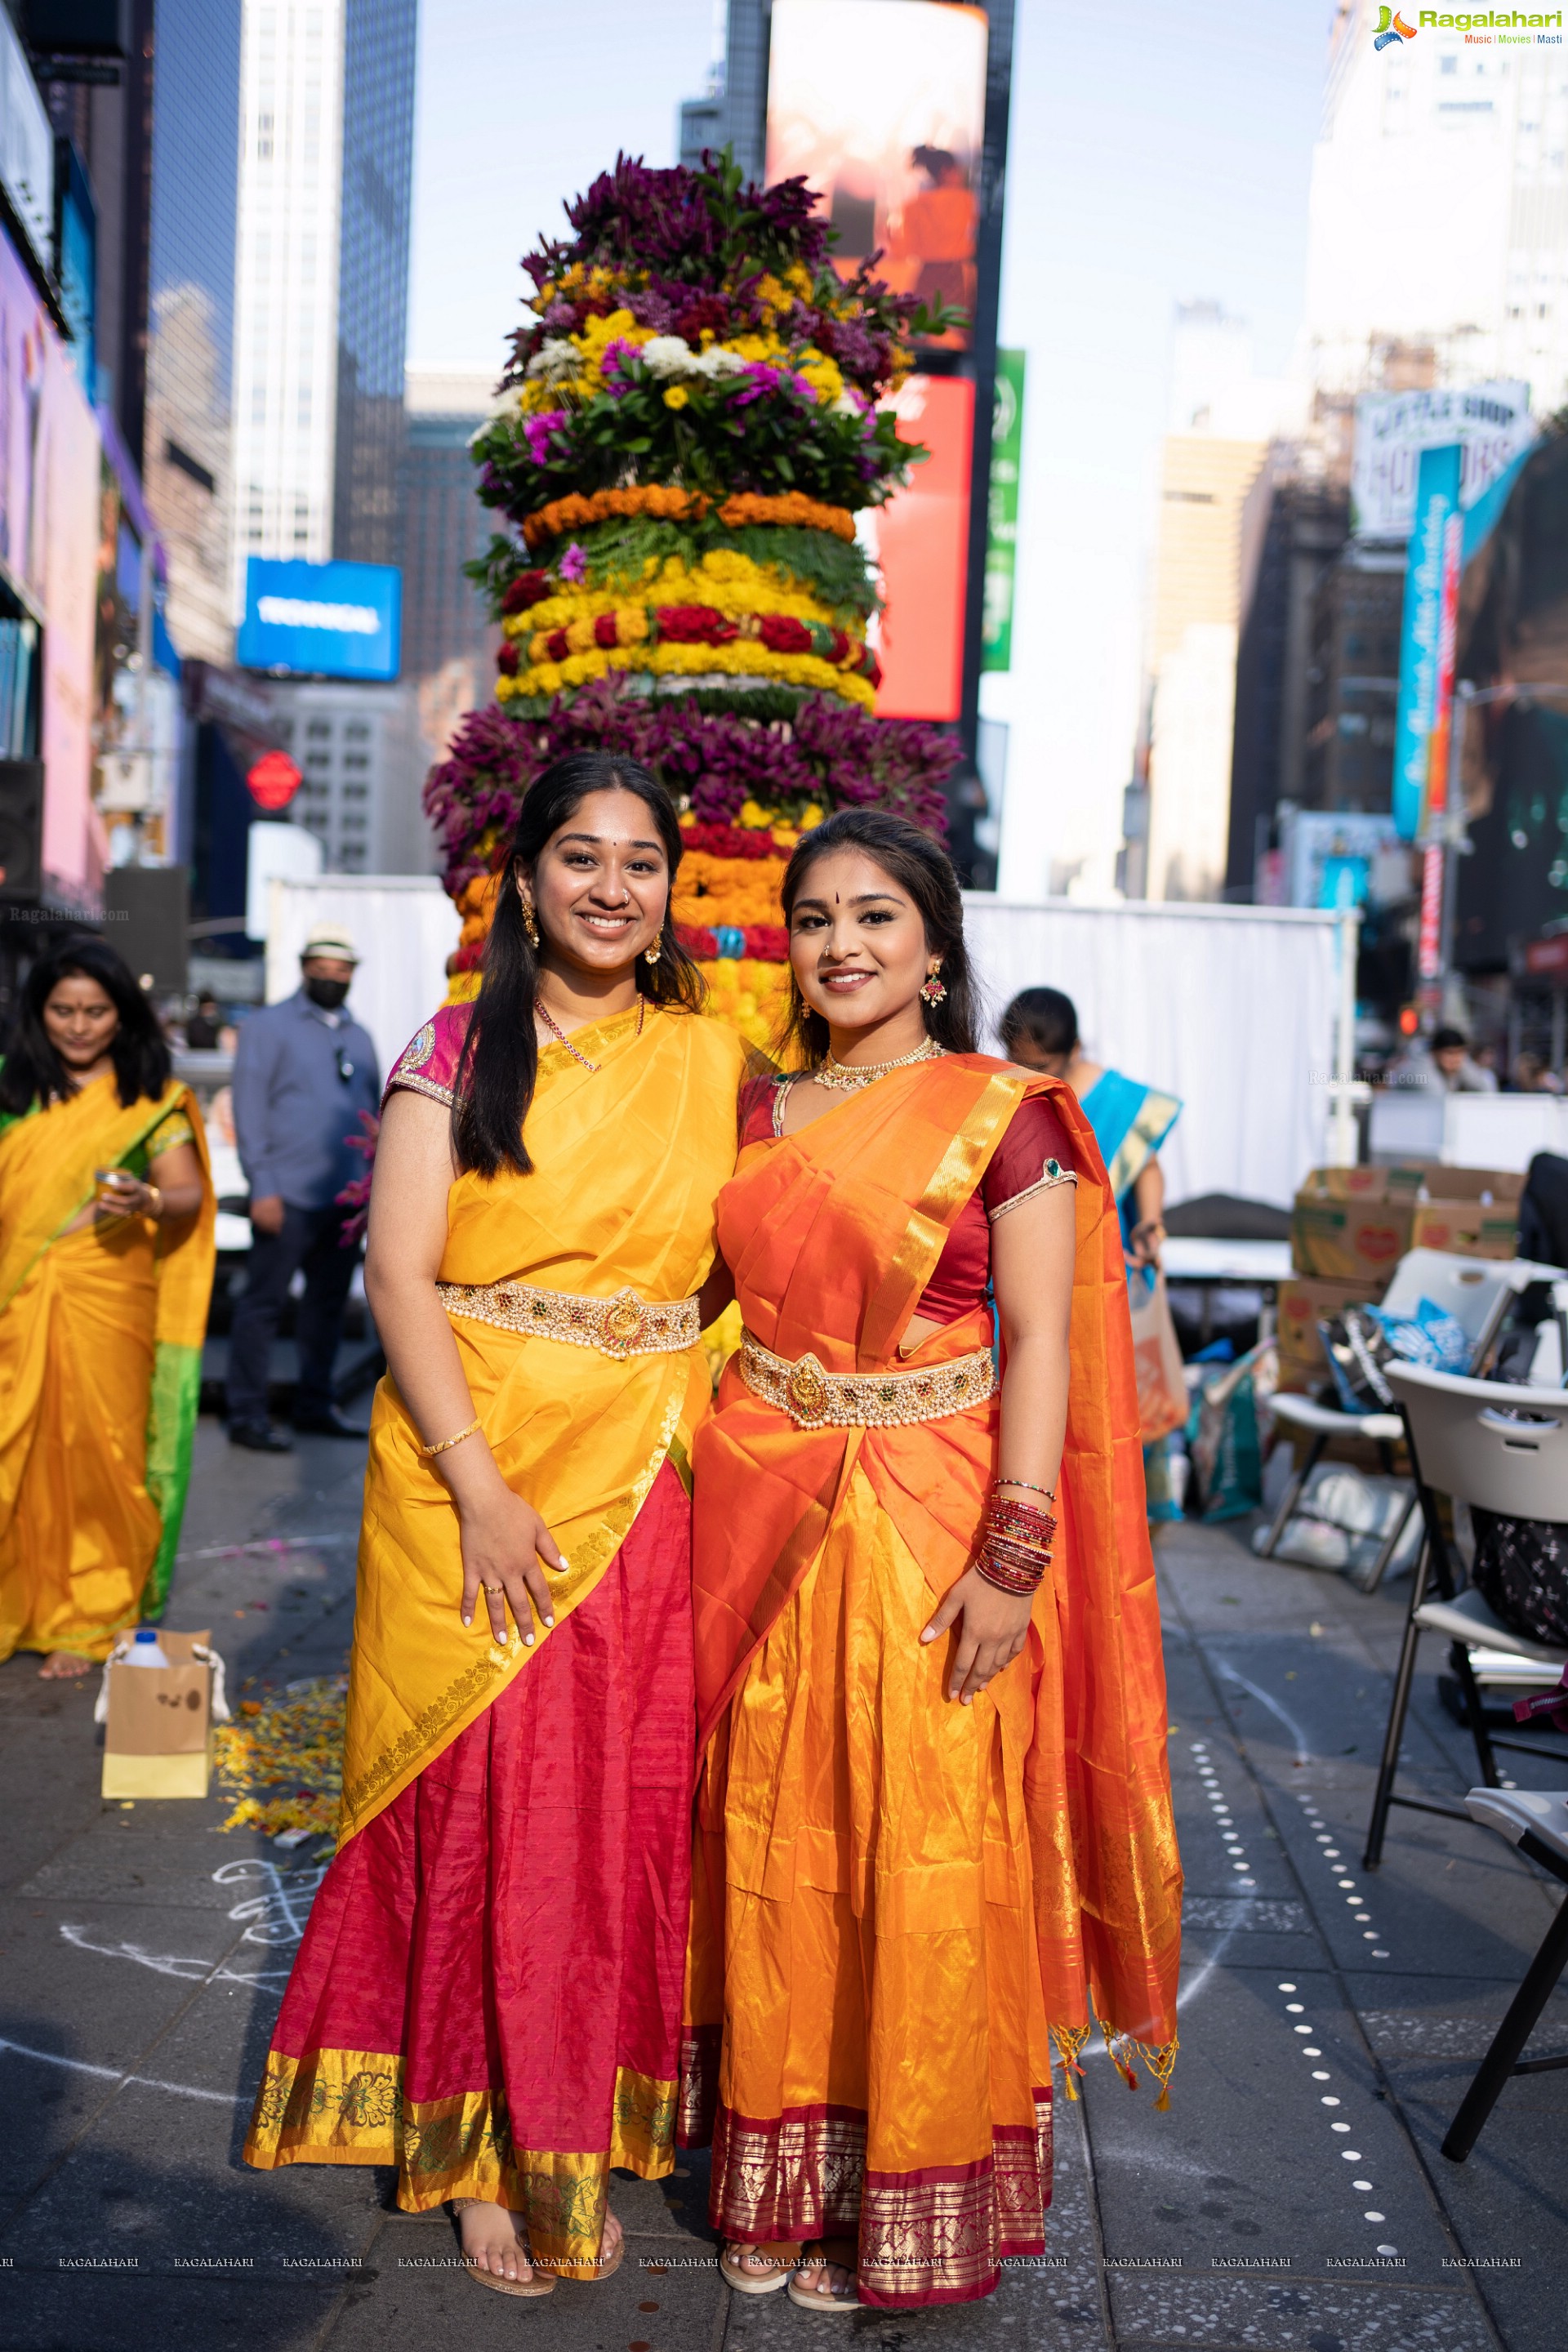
point(1388, 2250)
point(1300, 2029)
point(1363, 2185)
point(1336, 2127)
point(1330, 2101)
point(1285, 1987)
point(1321, 2074)
point(1375, 2216)
point(1294, 2006)
point(1369, 1935)
point(1352, 2156)
point(1380, 1956)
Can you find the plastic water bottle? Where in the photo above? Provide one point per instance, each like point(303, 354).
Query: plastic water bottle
point(146, 1649)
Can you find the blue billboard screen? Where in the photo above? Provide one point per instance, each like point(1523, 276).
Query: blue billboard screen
point(321, 620)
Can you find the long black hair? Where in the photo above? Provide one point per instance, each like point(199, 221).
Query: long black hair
point(33, 1072)
point(1042, 1018)
point(921, 866)
point(501, 1055)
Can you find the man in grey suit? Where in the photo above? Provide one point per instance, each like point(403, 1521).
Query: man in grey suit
point(303, 1071)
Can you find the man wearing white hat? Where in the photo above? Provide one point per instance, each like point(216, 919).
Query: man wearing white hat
point(303, 1071)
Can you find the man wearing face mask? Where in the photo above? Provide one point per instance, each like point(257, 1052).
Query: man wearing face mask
point(303, 1071)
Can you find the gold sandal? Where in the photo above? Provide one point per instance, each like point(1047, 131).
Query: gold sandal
point(780, 2252)
point(537, 2285)
point(839, 2251)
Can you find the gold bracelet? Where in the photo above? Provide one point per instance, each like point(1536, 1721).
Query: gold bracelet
point(428, 1450)
point(156, 1211)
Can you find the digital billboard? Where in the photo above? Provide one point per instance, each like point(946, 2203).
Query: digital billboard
point(880, 105)
point(321, 620)
point(921, 542)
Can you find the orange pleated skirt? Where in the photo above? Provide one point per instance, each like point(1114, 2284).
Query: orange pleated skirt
point(864, 1894)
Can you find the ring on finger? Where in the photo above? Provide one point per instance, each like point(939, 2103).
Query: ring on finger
point(492, 1588)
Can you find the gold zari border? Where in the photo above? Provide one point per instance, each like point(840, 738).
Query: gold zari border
point(815, 1399)
point(348, 2106)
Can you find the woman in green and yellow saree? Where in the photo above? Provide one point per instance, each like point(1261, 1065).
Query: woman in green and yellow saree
point(107, 1221)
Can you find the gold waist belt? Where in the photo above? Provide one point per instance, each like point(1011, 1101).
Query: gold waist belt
point(623, 1326)
point(815, 1399)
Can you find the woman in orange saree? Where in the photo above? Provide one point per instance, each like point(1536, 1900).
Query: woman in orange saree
point(105, 1266)
point(488, 1994)
point(934, 1821)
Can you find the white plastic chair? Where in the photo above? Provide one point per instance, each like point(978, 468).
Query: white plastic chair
point(1536, 1821)
point(1467, 1440)
point(1476, 1292)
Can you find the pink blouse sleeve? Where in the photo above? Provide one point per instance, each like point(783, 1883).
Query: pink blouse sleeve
point(1036, 1153)
point(428, 1063)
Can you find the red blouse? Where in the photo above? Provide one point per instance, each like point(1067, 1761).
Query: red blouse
point(1036, 1152)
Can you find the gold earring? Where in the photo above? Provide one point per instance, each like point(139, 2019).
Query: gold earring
point(651, 955)
point(932, 990)
point(529, 924)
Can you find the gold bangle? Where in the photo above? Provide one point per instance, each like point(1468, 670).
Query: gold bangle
point(428, 1450)
point(156, 1211)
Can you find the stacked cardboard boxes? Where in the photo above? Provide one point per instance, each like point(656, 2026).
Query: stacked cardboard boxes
point(1350, 1226)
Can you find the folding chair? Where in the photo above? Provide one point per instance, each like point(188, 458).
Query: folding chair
point(1476, 1292)
point(1465, 1441)
point(1537, 1823)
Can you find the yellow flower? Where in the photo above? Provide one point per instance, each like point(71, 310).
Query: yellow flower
point(811, 818)
point(754, 816)
point(676, 396)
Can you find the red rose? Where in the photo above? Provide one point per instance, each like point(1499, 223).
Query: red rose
point(698, 940)
point(693, 624)
point(508, 659)
point(555, 645)
point(604, 629)
point(767, 942)
point(528, 588)
point(782, 633)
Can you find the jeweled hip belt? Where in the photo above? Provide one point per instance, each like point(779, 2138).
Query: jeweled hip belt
point(815, 1399)
point(625, 1325)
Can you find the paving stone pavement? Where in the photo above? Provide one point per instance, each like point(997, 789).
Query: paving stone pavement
point(1293, 2199)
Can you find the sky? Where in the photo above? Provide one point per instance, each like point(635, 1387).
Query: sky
point(1157, 152)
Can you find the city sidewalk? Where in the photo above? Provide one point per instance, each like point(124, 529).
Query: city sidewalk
point(1293, 2201)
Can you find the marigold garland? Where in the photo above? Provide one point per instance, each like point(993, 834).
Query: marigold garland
point(738, 660)
point(575, 511)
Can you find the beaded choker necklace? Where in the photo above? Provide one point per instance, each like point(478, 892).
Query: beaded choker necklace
point(848, 1077)
point(561, 1037)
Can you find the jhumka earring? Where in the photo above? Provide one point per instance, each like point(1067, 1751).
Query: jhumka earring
point(529, 924)
point(931, 989)
point(651, 954)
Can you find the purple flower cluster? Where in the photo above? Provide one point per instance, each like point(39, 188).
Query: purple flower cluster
point(686, 252)
point(831, 755)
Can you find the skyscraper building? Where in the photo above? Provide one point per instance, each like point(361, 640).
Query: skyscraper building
point(322, 303)
point(186, 452)
point(1440, 209)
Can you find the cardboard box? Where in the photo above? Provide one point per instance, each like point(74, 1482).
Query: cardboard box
point(159, 1724)
point(1468, 1227)
point(1303, 1303)
point(1358, 1240)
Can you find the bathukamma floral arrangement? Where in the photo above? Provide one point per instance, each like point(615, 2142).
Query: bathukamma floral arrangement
point(690, 422)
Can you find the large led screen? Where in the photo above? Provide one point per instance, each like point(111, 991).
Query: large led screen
point(321, 620)
point(880, 104)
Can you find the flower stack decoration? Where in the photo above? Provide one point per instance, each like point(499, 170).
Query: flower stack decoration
point(689, 423)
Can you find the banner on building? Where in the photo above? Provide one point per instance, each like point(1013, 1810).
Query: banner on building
point(1002, 525)
point(880, 105)
point(321, 620)
point(1489, 424)
point(1436, 503)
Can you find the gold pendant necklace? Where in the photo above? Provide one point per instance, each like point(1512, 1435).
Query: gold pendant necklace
point(848, 1077)
point(556, 1030)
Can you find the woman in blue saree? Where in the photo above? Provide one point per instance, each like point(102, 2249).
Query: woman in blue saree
point(1131, 1121)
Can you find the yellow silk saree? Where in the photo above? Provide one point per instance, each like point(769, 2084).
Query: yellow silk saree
point(100, 1350)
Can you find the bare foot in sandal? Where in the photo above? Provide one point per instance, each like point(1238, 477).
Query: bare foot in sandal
point(823, 2282)
point(490, 2241)
point(64, 1666)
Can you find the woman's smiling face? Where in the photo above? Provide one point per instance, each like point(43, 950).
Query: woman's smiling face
point(600, 888)
point(857, 942)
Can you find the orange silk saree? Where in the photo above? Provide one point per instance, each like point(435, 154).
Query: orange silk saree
point(899, 1900)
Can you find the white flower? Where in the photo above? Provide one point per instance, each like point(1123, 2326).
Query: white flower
point(846, 404)
point(716, 362)
point(554, 358)
point(667, 355)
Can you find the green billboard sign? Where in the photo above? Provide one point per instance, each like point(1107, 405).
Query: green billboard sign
point(1002, 523)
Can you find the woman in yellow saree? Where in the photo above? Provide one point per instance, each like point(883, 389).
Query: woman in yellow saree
point(488, 1995)
point(105, 1266)
point(934, 1819)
